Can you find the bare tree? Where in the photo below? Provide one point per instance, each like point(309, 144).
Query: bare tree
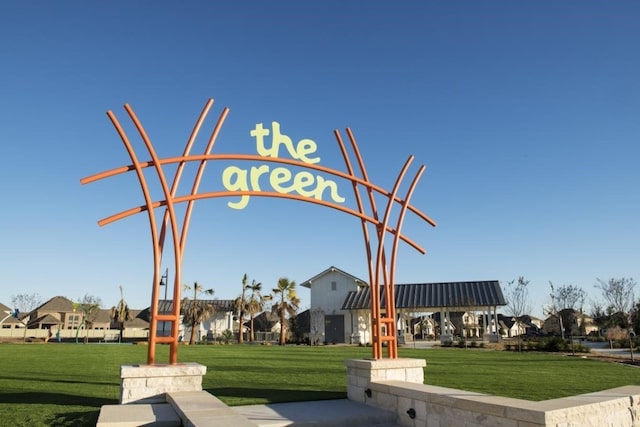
point(25, 303)
point(316, 325)
point(619, 293)
point(518, 304)
point(567, 303)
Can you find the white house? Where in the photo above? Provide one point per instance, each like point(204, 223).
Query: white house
point(222, 319)
point(329, 322)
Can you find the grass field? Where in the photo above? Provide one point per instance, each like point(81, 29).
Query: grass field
point(66, 384)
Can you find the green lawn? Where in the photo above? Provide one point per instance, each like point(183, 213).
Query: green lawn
point(65, 384)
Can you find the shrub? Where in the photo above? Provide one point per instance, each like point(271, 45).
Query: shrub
point(556, 344)
point(227, 336)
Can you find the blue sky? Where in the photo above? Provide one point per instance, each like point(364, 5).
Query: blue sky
point(525, 114)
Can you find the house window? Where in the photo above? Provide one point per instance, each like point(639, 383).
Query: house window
point(334, 286)
point(73, 321)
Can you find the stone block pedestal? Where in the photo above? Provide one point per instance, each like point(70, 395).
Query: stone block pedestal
point(150, 383)
point(362, 372)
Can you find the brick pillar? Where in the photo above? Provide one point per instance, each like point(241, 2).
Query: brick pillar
point(362, 372)
point(150, 383)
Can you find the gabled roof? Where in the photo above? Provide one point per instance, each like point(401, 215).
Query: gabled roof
point(103, 315)
point(263, 322)
point(47, 319)
point(56, 304)
point(433, 296)
point(4, 308)
point(303, 321)
point(138, 321)
point(308, 283)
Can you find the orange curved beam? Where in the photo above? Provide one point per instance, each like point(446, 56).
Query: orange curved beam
point(219, 194)
point(376, 330)
point(198, 177)
point(388, 287)
point(173, 353)
point(182, 165)
point(252, 157)
point(152, 223)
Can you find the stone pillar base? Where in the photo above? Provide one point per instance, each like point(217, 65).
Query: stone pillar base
point(362, 372)
point(150, 383)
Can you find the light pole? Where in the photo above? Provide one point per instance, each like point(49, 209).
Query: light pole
point(164, 281)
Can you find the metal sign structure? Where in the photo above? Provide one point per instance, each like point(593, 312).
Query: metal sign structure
point(303, 186)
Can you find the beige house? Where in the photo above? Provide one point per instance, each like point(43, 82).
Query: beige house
point(57, 313)
point(569, 321)
point(7, 320)
point(59, 316)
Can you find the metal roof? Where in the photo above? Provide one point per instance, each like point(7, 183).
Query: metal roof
point(433, 295)
point(220, 305)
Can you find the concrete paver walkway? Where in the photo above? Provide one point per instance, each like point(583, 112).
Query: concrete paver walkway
point(329, 413)
point(204, 410)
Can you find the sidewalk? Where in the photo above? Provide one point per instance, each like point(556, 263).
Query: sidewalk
point(326, 413)
point(201, 409)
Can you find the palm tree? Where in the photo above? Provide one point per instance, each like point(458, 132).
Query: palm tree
point(120, 313)
point(194, 312)
point(287, 303)
point(254, 305)
point(240, 305)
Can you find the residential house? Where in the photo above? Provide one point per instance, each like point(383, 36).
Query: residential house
point(463, 324)
point(7, 319)
point(223, 318)
point(57, 313)
point(266, 327)
point(569, 322)
point(329, 321)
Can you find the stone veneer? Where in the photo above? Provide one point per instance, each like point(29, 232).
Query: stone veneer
point(150, 383)
point(379, 383)
point(362, 372)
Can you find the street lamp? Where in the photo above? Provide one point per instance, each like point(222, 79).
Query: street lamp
point(164, 281)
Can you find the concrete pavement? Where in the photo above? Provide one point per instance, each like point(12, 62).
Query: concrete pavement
point(201, 409)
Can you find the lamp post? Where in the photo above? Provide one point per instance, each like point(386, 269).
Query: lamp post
point(164, 281)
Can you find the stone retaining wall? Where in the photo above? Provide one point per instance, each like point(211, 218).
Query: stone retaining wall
point(418, 404)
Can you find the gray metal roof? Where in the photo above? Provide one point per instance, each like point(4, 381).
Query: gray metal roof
point(433, 295)
point(220, 305)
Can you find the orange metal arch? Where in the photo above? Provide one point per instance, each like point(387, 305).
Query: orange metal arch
point(378, 269)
